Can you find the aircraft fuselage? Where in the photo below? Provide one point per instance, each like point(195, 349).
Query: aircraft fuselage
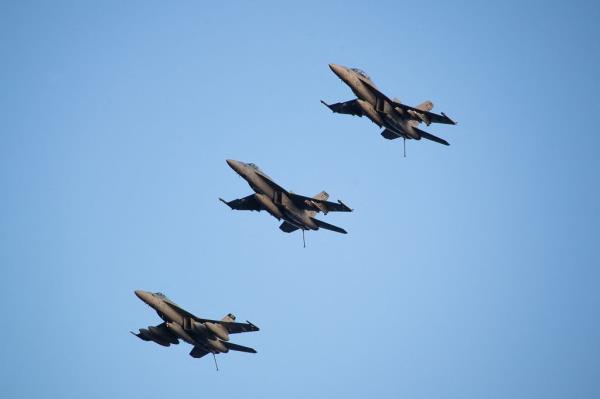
point(377, 109)
point(272, 198)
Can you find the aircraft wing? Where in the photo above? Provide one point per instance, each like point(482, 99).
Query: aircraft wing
point(428, 117)
point(270, 181)
point(348, 107)
point(239, 348)
point(182, 311)
point(317, 205)
point(431, 137)
point(231, 326)
point(327, 226)
point(248, 203)
point(159, 334)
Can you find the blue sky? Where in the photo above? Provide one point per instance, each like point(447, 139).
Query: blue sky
point(469, 271)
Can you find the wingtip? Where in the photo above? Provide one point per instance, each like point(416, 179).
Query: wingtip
point(253, 325)
point(346, 206)
point(327, 105)
point(225, 202)
point(450, 119)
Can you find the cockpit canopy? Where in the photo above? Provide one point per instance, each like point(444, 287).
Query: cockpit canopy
point(160, 294)
point(257, 169)
point(361, 73)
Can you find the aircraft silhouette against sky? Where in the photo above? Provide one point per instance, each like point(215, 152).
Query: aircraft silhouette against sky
point(207, 336)
point(297, 211)
point(397, 119)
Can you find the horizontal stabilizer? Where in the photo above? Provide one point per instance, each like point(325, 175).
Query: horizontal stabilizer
point(236, 347)
point(388, 134)
point(327, 226)
point(431, 137)
point(140, 336)
point(198, 352)
point(287, 227)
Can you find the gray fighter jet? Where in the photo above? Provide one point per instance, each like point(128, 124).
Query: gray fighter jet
point(296, 210)
point(397, 119)
point(207, 336)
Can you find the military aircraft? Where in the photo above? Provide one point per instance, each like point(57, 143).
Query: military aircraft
point(207, 336)
point(397, 119)
point(297, 211)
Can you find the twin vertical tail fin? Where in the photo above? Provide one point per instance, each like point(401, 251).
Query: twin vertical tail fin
point(229, 317)
point(425, 106)
point(322, 196)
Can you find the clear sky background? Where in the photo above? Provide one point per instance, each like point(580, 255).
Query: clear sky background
point(469, 271)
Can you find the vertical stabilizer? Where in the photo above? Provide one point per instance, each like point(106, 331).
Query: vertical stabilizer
point(228, 317)
point(425, 106)
point(322, 196)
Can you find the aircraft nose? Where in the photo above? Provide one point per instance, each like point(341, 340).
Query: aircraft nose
point(338, 70)
point(235, 165)
point(143, 295)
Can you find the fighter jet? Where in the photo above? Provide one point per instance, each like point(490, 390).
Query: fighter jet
point(397, 119)
point(297, 211)
point(207, 336)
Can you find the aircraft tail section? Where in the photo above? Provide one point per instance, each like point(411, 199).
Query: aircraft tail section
point(425, 106)
point(322, 196)
point(236, 347)
point(287, 227)
point(229, 317)
point(431, 137)
point(198, 352)
point(388, 134)
point(327, 226)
